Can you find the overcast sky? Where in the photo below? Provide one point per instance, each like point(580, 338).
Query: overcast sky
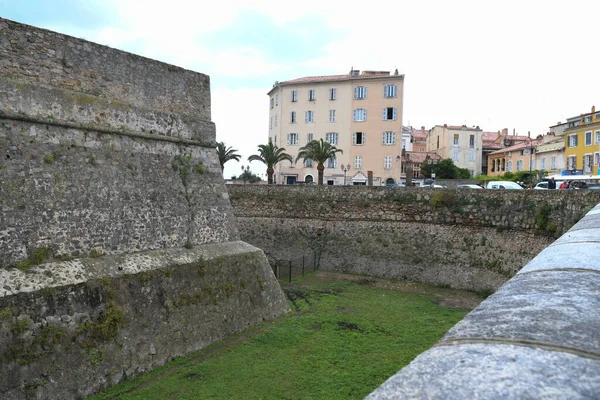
point(522, 64)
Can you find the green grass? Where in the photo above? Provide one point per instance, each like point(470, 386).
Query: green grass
point(344, 340)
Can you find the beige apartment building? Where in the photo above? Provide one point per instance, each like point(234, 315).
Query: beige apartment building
point(460, 143)
point(359, 112)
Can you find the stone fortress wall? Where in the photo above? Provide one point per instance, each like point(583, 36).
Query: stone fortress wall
point(467, 239)
point(118, 245)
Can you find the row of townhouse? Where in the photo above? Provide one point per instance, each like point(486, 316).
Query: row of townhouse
point(361, 114)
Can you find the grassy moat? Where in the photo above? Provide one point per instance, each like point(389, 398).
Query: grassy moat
point(346, 336)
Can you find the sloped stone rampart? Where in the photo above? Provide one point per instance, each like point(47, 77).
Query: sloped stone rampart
point(536, 337)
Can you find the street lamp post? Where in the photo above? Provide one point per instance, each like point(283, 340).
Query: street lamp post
point(345, 168)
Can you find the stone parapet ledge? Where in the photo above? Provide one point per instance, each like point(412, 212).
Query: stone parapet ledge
point(538, 336)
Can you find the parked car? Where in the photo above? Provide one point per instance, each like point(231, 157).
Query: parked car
point(395, 185)
point(541, 186)
point(469, 186)
point(503, 185)
point(594, 187)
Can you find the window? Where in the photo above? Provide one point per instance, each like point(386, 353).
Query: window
point(389, 114)
point(331, 138)
point(359, 115)
point(509, 166)
point(308, 163)
point(358, 162)
point(543, 163)
point(332, 162)
point(471, 155)
point(553, 162)
point(588, 138)
point(293, 117)
point(472, 141)
point(387, 162)
point(587, 163)
point(510, 154)
point(275, 140)
point(271, 102)
point(332, 94)
point(388, 138)
point(596, 160)
point(404, 143)
point(455, 140)
point(294, 96)
point(519, 165)
point(309, 137)
point(275, 124)
point(571, 162)
point(597, 137)
point(597, 116)
point(455, 155)
point(271, 123)
point(276, 100)
point(573, 140)
point(358, 138)
point(390, 91)
point(331, 115)
point(309, 117)
point(311, 94)
point(588, 119)
point(360, 92)
point(438, 142)
point(292, 138)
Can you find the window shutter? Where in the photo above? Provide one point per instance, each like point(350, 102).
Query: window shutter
point(384, 115)
point(365, 94)
point(364, 138)
point(354, 115)
point(393, 137)
point(355, 92)
point(353, 137)
point(383, 138)
point(288, 139)
point(394, 113)
point(305, 116)
point(364, 114)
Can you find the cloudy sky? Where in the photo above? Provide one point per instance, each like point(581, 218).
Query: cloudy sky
point(517, 64)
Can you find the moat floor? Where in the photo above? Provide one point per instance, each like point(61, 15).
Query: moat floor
point(346, 335)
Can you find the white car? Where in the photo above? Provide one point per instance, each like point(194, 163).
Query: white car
point(468, 186)
point(541, 186)
point(503, 185)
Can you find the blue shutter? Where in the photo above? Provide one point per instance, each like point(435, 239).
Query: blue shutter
point(394, 113)
point(384, 115)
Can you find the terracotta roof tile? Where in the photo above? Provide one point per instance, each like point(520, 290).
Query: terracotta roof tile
point(420, 156)
point(418, 134)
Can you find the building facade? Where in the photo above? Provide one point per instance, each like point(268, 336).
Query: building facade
point(460, 143)
point(359, 113)
point(582, 143)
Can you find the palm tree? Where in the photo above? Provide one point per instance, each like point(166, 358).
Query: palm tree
point(226, 153)
point(269, 154)
point(319, 151)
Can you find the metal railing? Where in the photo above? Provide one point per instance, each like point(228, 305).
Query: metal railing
point(288, 269)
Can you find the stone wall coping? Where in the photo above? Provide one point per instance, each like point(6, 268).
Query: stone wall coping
point(63, 273)
point(538, 336)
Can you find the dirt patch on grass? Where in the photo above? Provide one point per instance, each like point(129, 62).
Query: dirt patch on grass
point(452, 298)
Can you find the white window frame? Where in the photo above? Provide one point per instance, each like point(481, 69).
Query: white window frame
point(309, 117)
point(455, 140)
point(332, 93)
point(597, 134)
point(312, 94)
point(543, 163)
point(293, 118)
point(293, 139)
point(588, 163)
point(331, 116)
point(471, 155)
point(572, 140)
point(387, 162)
point(362, 137)
point(388, 138)
point(308, 163)
point(454, 155)
point(471, 141)
point(294, 96)
point(332, 138)
point(390, 91)
point(553, 163)
point(309, 137)
point(359, 115)
point(384, 116)
point(332, 162)
point(509, 166)
point(520, 165)
point(360, 92)
point(358, 162)
point(596, 159)
point(572, 162)
point(586, 138)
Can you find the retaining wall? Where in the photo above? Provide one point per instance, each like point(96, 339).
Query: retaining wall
point(118, 247)
point(465, 238)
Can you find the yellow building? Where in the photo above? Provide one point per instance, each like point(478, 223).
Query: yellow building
point(582, 143)
point(359, 112)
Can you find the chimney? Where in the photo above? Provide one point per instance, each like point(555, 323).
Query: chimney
point(514, 132)
point(423, 129)
point(593, 109)
point(445, 125)
point(505, 131)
